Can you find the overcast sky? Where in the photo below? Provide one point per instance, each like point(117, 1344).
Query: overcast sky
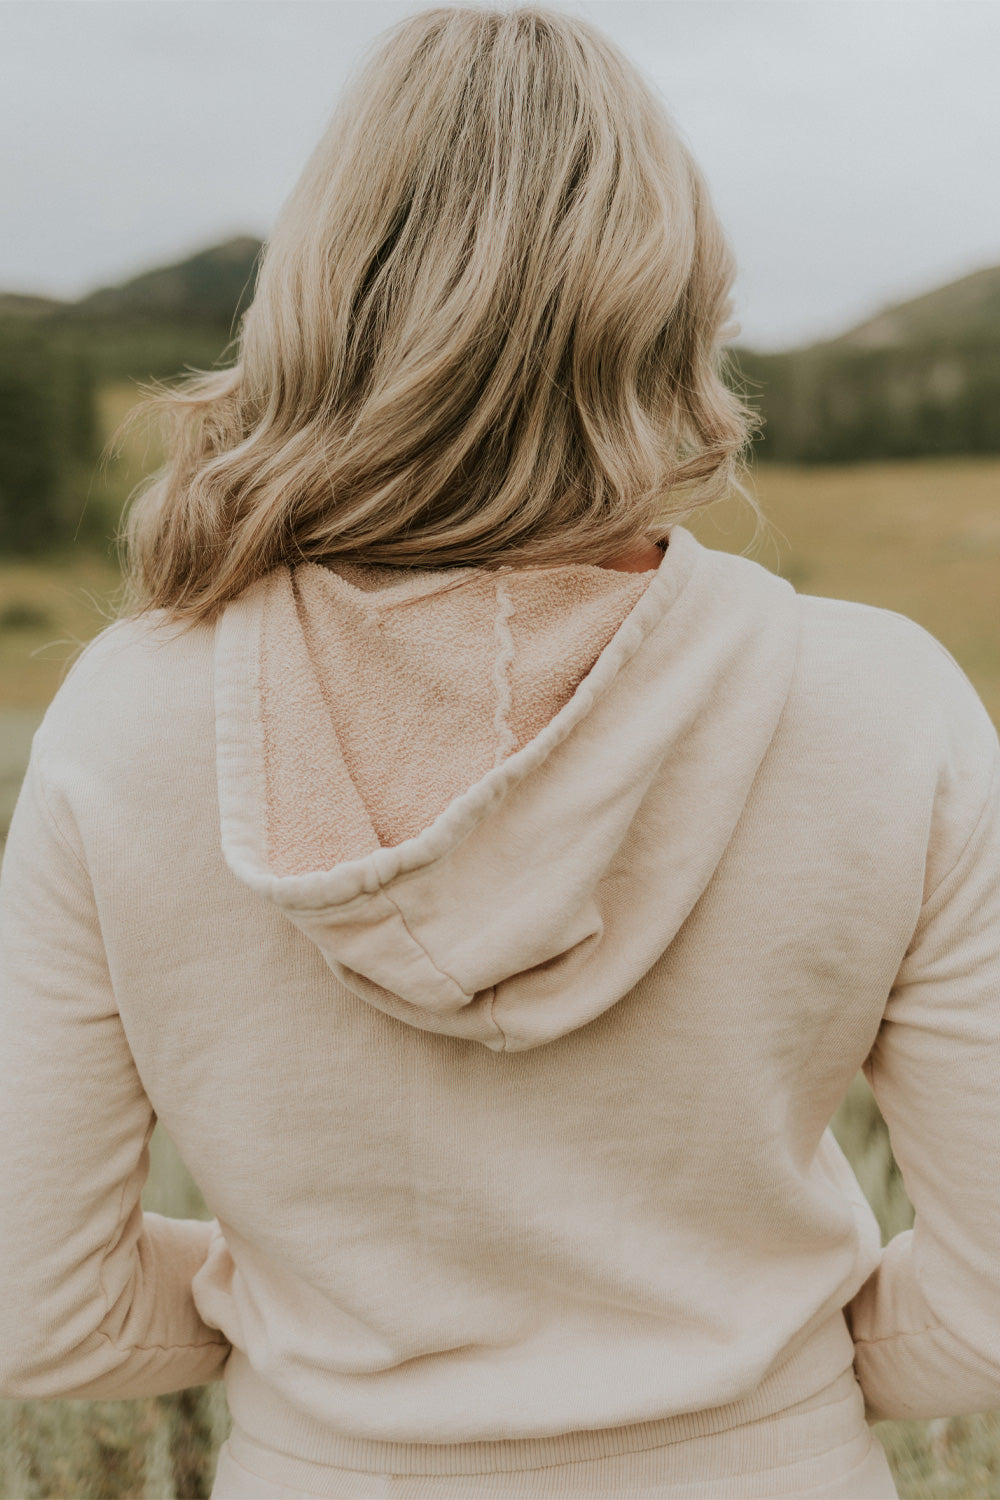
point(852, 146)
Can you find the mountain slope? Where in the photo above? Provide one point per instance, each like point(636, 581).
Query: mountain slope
point(212, 287)
point(25, 305)
point(963, 311)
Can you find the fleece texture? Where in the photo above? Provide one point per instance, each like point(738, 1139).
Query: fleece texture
point(496, 950)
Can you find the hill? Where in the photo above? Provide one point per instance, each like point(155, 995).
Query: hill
point(212, 288)
point(154, 325)
point(24, 305)
point(963, 311)
point(58, 358)
point(921, 377)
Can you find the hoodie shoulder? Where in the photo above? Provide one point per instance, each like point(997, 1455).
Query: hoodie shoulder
point(140, 681)
point(891, 657)
point(885, 698)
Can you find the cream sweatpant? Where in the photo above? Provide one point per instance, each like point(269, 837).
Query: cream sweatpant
point(819, 1449)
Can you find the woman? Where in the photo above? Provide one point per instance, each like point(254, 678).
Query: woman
point(492, 890)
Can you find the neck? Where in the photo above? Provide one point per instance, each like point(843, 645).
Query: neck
point(638, 559)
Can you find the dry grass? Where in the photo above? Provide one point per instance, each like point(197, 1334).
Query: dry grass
point(49, 610)
point(922, 538)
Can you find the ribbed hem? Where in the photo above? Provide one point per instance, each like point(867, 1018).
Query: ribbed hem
point(265, 1415)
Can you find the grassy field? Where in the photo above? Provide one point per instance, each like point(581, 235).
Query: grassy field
point(922, 538)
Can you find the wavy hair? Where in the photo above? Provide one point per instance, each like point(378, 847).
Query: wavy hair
point(487, 330)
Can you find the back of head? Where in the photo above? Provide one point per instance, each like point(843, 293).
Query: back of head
point(486, 329)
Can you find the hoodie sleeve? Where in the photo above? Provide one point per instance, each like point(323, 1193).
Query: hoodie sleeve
point(95, 1295)
point(926, 1323)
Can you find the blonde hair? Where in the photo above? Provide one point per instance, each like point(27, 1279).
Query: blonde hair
point(487, 329)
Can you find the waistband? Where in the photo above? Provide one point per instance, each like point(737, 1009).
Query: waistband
point(274, 1423)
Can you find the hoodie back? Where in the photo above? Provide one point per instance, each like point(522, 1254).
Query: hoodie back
point(496, 947)
point(440, 780)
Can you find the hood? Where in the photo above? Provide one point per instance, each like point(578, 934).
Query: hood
point(492, 797)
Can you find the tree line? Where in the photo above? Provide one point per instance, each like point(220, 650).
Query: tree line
point(838, 403)
point(48, 441)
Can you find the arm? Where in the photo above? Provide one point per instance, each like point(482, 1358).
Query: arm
point(926, 1323)
point(95, 1295)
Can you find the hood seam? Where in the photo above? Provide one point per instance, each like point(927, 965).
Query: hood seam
point(495, 1022)
point(502, 662)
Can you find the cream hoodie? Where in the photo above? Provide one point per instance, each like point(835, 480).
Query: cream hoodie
point(496, 948)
